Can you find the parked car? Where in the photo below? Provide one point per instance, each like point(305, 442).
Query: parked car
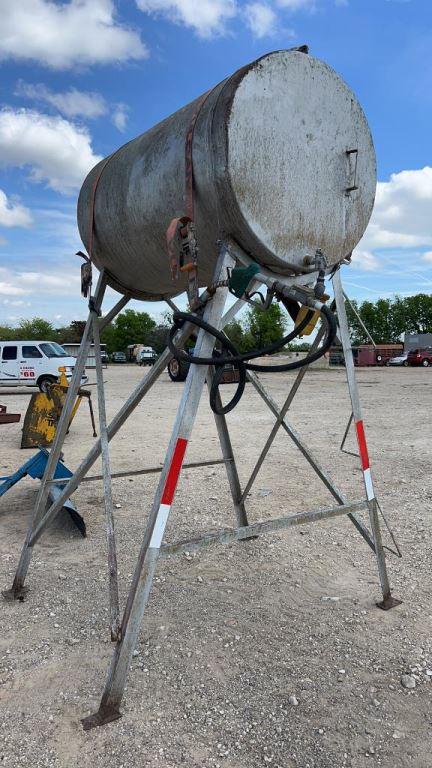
point(34, 363)
point(119, 357)
point(104, 356)
point(421, 357)
point(398, 360)
point(146, 356)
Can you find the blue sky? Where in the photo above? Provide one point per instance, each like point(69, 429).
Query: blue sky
point(80, 78)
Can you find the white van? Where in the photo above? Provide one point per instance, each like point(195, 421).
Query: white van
point(34, 363)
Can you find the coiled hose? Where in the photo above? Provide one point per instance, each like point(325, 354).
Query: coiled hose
point(242, 362)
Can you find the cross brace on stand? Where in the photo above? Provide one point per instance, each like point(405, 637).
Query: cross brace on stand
point(126, 633)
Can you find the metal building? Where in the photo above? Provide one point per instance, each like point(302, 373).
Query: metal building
point(417, 341)
point(73, 350)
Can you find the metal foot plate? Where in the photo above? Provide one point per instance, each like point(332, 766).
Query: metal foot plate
point(15, 594)
point(102, 717)
point(388, 603)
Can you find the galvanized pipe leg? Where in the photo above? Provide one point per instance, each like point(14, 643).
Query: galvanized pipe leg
point(228, 454)
point(316, 466)
point(108, 500)
point(121, 417)
point(388, 601)
point(280, 415)
point(18, 590)
point(347, 429)
point(150, 549)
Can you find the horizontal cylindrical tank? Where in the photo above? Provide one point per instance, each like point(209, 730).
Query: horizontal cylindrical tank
point(283, 163)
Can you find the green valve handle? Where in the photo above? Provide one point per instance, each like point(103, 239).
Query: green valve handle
point(240, 278)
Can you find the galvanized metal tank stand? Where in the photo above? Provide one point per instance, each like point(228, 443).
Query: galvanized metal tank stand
point(125, 632)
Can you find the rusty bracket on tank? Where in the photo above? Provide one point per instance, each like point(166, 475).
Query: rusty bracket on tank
point(86, 274)
point(182, 246)
point(183, 254)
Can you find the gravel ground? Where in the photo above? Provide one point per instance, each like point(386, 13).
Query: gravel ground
point(266, 652)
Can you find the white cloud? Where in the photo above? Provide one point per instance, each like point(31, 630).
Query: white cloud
point(207, 17)
point(16, 303)
point(67, 34)
point(56, 151)
point(72, 103)
point(365, 260)
point(402, 217)
point(261, 19)
point(427, 257)
point(120, 117)
point(27, 283)
point(13, 214)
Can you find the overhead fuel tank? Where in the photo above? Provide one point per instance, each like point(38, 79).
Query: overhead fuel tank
point(283, 164)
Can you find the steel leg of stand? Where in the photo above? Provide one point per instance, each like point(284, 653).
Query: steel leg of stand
point(359, 318)
point(228, 454)
point(316, 466)
point(119, 419)
point(388, 601)
point(347, 429)
point(280, 415)
point(108, 500)
point(150, 549)
point(18, 591)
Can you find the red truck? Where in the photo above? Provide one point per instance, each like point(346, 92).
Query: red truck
point(421, 357)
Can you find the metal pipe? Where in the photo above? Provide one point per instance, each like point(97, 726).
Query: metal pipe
point(108, 500)
point(134, 472)
point(228, 535)
point(388, 600)
point(125, 411)
point(18, 590)
point(158, 517)
point(228, 454)
point(281, 415)
point(359, 318)
point(109, 317)
point(322, 474)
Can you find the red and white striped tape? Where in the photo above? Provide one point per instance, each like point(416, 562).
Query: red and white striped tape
point(168, 492)
point(364, 458)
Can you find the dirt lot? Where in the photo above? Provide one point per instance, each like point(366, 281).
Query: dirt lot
point(266, 652)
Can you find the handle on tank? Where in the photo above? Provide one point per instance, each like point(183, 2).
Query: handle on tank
point(353, 186)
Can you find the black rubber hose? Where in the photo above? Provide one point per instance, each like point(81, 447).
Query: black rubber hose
point(241, 362)
point(179, 318)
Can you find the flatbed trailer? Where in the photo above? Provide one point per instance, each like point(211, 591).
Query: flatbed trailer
point(367, 354)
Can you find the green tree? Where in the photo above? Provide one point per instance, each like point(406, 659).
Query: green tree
point(239, 337)
point(263, 328)
point(109, 337)
point(157, 338)
point(418, 313)
point(7, 333)
point(37, 328)
point(130, 327)
point(73, 333)
point(388, 319)
point(303, 346)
